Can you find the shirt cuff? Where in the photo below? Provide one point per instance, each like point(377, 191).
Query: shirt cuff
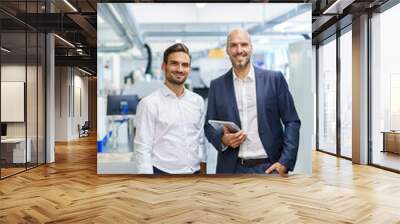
point(223, 147)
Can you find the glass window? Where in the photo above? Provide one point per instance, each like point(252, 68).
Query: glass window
point(41, 98)
point(31, 97)
point(327, 97)
point(13, 87)
point(22, 91)
point(385, 84)
point(346, 94)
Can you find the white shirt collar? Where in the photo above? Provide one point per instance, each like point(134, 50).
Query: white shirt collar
point(168, 92)
point(250, 76)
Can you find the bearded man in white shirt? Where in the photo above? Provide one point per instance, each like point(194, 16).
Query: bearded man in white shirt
point(169, 122)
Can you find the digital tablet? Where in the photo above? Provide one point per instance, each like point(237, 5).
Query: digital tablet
point(232, 127)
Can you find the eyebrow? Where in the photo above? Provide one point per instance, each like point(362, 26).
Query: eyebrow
point(242, 43)
point(177, 62)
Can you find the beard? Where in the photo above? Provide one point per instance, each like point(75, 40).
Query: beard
point(241, 65)
point(170, 78)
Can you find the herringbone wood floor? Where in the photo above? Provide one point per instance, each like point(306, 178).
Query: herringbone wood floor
point(70, 191)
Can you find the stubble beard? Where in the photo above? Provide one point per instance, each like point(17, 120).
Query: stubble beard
point(171, 80)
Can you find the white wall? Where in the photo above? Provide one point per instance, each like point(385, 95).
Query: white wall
point(61, 103)
point(12, 101)
point(12, 73)
point(70, 83)
point(33, 125)
point(80, 84)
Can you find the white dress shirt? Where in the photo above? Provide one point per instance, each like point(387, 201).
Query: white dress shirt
point(169, 132)
point(245, 92)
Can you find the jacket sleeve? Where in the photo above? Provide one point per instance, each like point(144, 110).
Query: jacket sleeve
point(214, 136)
point(291, 123)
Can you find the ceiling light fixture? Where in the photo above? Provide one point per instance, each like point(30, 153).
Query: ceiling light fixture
point(5, 49)
point(337, 7)
point(84, 71)
point(116, 14)
point(70, 5)
point(201, 5)
point(100, 19)
point(282, 27)
point(64, 40)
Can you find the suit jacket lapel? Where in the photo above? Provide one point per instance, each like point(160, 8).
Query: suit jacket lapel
point(232, 97)
point(259, 93)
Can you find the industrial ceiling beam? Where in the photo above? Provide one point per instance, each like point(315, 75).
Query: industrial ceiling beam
point(208, 34)
point(77, 61)
point(300, 9)
point(84, 24)
point(126, 29)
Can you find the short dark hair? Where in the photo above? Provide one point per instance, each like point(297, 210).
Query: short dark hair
point(179, 47)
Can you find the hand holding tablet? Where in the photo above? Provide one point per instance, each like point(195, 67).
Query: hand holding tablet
point(232, 127)
point(232, 135)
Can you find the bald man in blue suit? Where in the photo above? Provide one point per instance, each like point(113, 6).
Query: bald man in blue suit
point(259, 102)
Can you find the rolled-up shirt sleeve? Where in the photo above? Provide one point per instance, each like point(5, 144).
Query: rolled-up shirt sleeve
point(145, 128)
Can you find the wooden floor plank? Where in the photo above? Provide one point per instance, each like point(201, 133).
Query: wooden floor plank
point(70, 191)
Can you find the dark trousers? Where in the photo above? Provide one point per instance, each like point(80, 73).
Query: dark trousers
point(257, 169)
point(157, 171)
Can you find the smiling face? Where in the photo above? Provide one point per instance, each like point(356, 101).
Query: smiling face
point(177, 68)
point(239, 49)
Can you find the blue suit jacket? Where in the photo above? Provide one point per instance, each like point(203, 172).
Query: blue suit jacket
point(274, 107)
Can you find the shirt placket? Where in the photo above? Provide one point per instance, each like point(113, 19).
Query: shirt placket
point(184, 130)
point(244, 111)
point(251, 101)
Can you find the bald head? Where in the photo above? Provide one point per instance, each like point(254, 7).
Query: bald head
point(239, 49)
point(238, 32)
